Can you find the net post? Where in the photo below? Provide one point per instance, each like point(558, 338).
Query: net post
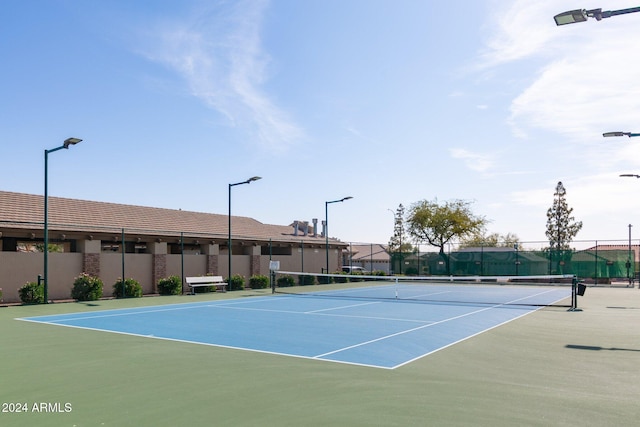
point(274, 266)
point(574, 296)
point(396, 287)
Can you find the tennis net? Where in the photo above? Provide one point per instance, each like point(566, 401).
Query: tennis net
point(541, 290)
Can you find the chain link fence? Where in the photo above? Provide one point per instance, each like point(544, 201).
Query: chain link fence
point(596, 261)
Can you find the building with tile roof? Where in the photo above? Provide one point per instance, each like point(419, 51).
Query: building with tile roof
point(88, 238)
point(371, 257)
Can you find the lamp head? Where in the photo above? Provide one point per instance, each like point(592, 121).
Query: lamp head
point(71, 141)
point(608, 134)
point(571, 17)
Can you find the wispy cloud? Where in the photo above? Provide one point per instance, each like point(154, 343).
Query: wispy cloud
point(585, 75)
point(474, 161)
point(516, 31)
point(218, 53)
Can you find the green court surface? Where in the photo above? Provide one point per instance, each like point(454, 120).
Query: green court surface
point(551, 367)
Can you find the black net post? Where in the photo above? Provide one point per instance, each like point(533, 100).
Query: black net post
point(576, 289)
point(273, 282)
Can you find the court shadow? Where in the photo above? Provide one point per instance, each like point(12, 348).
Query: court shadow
point(596, 348)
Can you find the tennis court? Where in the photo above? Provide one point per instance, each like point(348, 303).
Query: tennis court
point(550, 367)
point(366, 330)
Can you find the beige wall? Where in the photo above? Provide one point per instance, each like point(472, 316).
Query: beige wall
point(17, 268)
point(136, 266)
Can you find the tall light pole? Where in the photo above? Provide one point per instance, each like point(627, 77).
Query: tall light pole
point(65, 145)
point(249, 181)
point(581, 15)
point(629, 264)
point(326, 225)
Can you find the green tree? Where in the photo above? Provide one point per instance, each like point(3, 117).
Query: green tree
point(400, 243)
point(437, 224)
point(53, 247)
point(561, 225)
point(494, 240)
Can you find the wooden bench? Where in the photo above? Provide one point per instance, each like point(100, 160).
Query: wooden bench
point(217, 281)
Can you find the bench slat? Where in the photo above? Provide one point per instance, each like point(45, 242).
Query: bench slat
point(205, 279)
point(199, 281)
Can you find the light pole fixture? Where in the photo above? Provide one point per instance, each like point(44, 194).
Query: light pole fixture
point(629, 264)
point(630, 175)
point(326, 226)
point(67, 142)
point(581, 15)
point(249, 181)
point(629, 134)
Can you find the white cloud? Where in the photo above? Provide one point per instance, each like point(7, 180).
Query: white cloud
point(587, 81)
point(584, 94)
point(518, 31)
point(218, 53)
point(474, 161)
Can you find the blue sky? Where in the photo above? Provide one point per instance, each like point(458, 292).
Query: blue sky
point(386, 101)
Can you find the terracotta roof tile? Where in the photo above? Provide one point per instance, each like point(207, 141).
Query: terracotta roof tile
point(83, 214)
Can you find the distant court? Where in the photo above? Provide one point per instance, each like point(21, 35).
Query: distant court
point(374, 333)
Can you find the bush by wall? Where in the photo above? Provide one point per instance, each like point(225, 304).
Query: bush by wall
point(259, 281)
point(86, 288)
point(32, 293)
point(285, 281)
point(236, 282)
point(132, 289)
point(341, 277)
point(309, 280)
point(411, 271)
point(171, 285)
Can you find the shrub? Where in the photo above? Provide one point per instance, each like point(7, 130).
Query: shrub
point(32, 293)
point(236, 282)
point(354, 276)
point(132, 289)
point(341, 277)
point(171, 285)
point(203, 289)
point(259, 281)
point(411, 271)
point(285, 281)
point(306, 280)
point(86, 288)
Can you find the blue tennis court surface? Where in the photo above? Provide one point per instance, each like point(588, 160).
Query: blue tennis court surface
point(375, 333)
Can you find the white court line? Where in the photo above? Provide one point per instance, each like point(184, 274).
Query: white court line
point(342, 307)
point(320, 313)
point(228, 304)
point(420, 327)
point(298, 356)
point(116, 312)
point(83, 316)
